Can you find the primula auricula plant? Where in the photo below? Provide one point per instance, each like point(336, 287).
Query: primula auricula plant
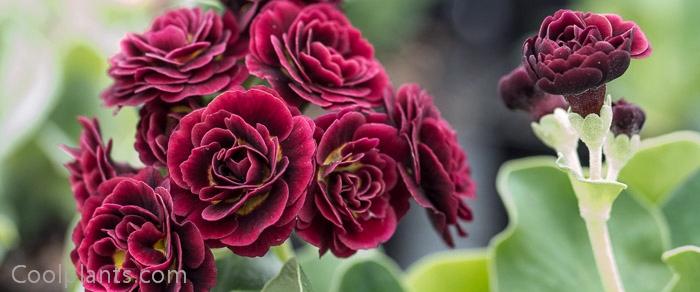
point(561, 83)
point(230, 164)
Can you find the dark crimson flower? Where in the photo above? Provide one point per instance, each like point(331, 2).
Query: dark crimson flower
point(356, 198)
point(628, 118)
point(519, 92)
point(313, 54)
point(186, 52)
point(244, 163)
point(92, 162)
point(156, 123)
point(246, 10)
point(436, 172)
point(576, 53)
point(132, 241)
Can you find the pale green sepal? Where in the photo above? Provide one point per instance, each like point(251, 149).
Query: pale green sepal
point(621, 147)
point(564, 163)
point(555, 131)
point(685, 263)
point(593, 129)
point(618, 150)
point(595, 198)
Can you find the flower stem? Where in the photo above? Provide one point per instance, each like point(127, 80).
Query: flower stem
point(572, 160)
point(284, 252)
point(596, 162)
point(603, 253)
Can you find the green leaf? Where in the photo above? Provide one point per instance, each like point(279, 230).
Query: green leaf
point(545, 247)
point(243, 273)
point(329, 273)
point(465, 271)
point(290, 279)
point(370, 271)
point(681, 211)
point(661, 164)
point(320, 270)
point(685, 263)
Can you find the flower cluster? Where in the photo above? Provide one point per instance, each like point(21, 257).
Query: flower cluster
point(239, 166)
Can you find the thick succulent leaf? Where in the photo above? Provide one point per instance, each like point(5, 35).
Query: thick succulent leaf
point(681, 212)
point(661, 164)
point(290, 279)
point(465, 271)
point(685, 263)
point(320, 270)
point(365, 271)
point(242, 273)
point(545, 247)
point(368, 272)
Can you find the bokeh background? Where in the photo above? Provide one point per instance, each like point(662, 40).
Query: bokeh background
point(53, 59)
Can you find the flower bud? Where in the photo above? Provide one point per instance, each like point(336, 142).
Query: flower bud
point(628, 118)
point(519, 92)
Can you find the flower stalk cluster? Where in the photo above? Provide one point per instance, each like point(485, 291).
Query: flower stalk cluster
point(574, 55)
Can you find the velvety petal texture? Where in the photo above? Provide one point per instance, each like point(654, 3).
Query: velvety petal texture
point(157, 120)
point(243, 163)
point(132, 241)
point(92, 163)
point(186, 52)
point(436, 172)
point(313, 54)
point(577, 51)
point(356, 198)
point(519, 92)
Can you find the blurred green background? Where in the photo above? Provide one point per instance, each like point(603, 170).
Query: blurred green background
point(53, 59)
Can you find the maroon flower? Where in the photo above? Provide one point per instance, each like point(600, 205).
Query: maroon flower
point(244, 163)
point(313, 54)
point(628, 118)
point(356, 198)
point(575, 54)
point(132, 241)
point(436, 172)
point(92, 162)
point(520, 93)
point(186, 52)
point(576, 51)
point(156, 123)
point(246, 10)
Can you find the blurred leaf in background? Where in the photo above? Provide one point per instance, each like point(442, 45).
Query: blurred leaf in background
point(388, 23)
point(53, 62)
point(665, 84)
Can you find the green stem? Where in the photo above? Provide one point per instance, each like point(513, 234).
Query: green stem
point(283, 252)
point(603, 253)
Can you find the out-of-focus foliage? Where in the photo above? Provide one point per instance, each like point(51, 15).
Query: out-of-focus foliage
point(545, 247)
point(685, 263)
point(666, 84)
point(387, 23)
point(465, 271)
point(53, 58)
